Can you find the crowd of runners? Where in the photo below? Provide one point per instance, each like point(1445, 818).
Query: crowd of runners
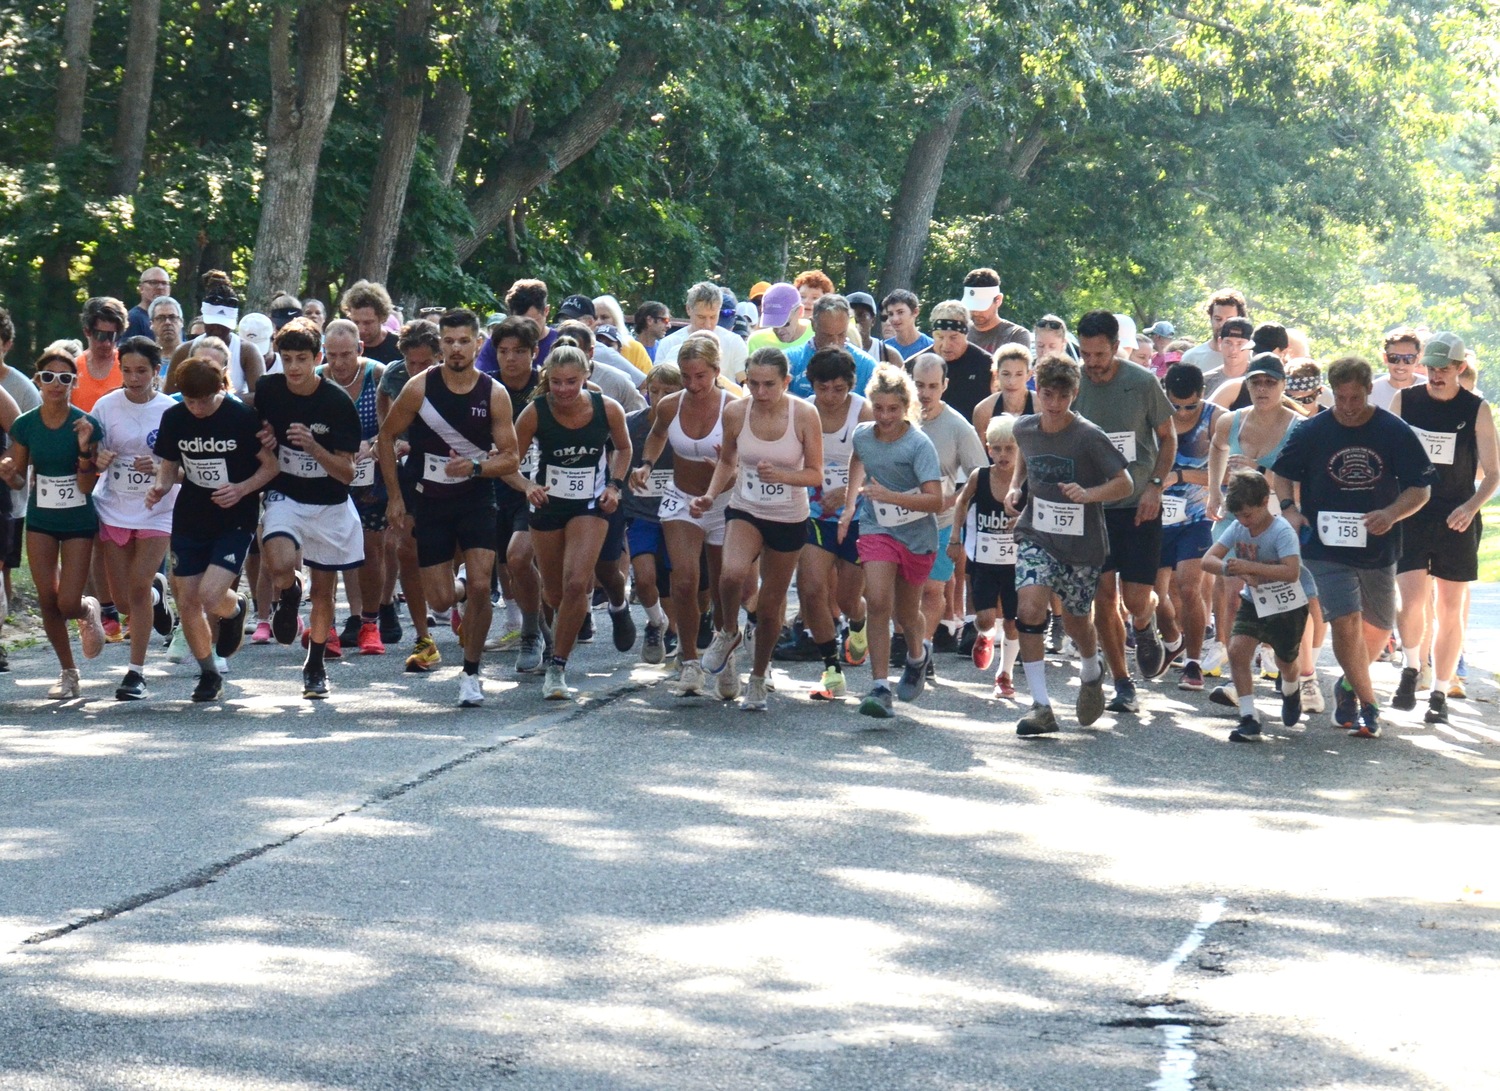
point(1130, 503)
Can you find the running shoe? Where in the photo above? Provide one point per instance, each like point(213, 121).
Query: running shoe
point(705, 630)
point(529, 659)
point(1192, 677)
point(720, 649)
point(350, 633)
point(332, 648)
point(1214, 658)
point(1368, 726)
point(113, 633)
point(1246, 730)
point(944, 640)
point(586, 630)
point(66, 686)
point(622, 629)
point(131, 688)
point(470, 690)
point(1125, 697)
point(314, 684)
point(651, 646)
point(1457, 689)
point(285, 616)
point(91, 628)
point(983, 651)
point(755, 695)
point(1004, 687)
point(832, 688)
point(1312, 694)
point(1224, 695)
point(798, 647)
point(914, 677)
point(161, 614)
point(368, 641)
point(1405, 697)
point(424, 656)
point(555, 685)
point(690, 683)
point(1176, 653)
point(390, 624)
point(455, 620)
point(1424, 677)
point(178, 649)
point(669, 644)
point(1150, 656)
point(1291, 706)
point(1090, 704)
point(262, 633)
point(966, 639)
point(1055, 634)
point(857, 646)
point(1437, 708)
point(231, 631)
point(728, 679)
point(877, 704)
point(210, 686)
point(1037, 720)
point(898, 648)
point(1345, 705)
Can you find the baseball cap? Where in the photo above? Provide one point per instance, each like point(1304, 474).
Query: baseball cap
point(1443, 350)
point(493, 320)
point(1163, 328)
point(280, 316)
point(1237, 327)
point(729, 308)
point(758, 290)
point(1129, 338)
point(256, 328)
point(1266, 363)
point(750, 313)
point(606, 331)
point(780, 300)
point(577, 306)
point(863, 299)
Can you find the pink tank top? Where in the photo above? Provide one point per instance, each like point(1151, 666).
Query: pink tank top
point(774, 501)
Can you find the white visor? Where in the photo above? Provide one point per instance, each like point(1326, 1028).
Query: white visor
point(979, 298)
point(215, 315)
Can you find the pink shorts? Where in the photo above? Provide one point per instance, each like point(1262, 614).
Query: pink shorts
point(913, 567)
point(122, 536)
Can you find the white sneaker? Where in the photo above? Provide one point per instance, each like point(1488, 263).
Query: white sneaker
point(555, 684)
point(470, 690)
point(1424, 678)
point(177, 651)
point(755, 695)
point(719, 652)
point(91, 628)
point(65, 687)
point(729, 679)
point(690, 684)
point(1312, 695)
point(1214, 658)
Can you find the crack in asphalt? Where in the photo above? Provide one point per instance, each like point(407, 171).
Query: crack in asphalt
point(201, 877)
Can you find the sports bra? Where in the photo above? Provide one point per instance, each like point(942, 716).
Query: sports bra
point(688, 449)
point(1265, 462)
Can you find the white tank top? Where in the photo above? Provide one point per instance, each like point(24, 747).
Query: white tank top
point(838, 447)
point(773, 501)
point(687, 449)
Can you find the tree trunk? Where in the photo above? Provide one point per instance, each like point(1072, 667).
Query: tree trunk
point(73, 77)
point(135, 96)
point(302, 98)
point(528, 164)
point(447, 120)
point(398, 144)
point(911, 217)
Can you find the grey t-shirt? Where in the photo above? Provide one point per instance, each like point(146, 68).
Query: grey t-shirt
point(1277, 542)
point(1081, 453)
point(958, 449)
point(615, 384)
point(1002, 333)
point(1129, 408)
point(24, 393)
point(901, 466)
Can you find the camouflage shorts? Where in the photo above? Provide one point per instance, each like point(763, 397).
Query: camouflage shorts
point(1075, 585)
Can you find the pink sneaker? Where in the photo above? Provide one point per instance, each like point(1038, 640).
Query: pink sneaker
point(1003, 686)
point(984, 651)
point(262, 634)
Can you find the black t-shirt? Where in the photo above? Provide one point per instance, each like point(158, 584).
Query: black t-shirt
point(970, 380)
point(221, 449)
point(386, 352)
point(334, 423)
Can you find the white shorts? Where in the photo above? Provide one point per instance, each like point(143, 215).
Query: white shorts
point(674, 509)
point(329, 535)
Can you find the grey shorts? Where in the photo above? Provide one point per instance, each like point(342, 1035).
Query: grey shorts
point(1075, 585)
point(1344, 590)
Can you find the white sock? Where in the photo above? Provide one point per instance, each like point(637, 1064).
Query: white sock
point(1247, 705)
point(1036, 681)
point(513, 613)
point(140, 668)
point(990, 632)
point(1008, 652)
point(1092, 668)
point(620, 609)
point(656, 615)
point(1411, 658)
point(1442, 685)
point(1289, 685)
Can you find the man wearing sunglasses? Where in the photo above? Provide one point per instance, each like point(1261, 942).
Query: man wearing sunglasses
point(154, 284)
point(1403, 348)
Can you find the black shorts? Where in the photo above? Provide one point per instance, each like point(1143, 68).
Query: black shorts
point(994, 585)
point(191, 556)
point(512, 517)
point(559, 513)
point(443, 527)
point(64, 535)
point(1282, 631)
point(12, 537)
point(1134, 551)
point(1429, 545)
point(371, 513)
point(779, 537)
point(614, 537)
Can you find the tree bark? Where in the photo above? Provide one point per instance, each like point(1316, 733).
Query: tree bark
point(398, 144)
point(911, 216)
point(73, 77)
point(302, 98)
point(447, 120)
point(530, 163)
point(135, 96)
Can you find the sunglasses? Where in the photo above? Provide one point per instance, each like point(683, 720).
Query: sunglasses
point(62, 378)
point(1050, 324)
point(1185, 407)
point(1309, 399)
point(104, 335)
point(1401, 357)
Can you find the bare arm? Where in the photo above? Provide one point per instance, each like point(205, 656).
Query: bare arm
point(1489, 468)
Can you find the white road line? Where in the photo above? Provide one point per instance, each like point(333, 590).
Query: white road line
point(1179, 1060)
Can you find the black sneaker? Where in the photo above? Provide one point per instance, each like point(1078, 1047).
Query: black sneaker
point(913, 678)
point(966, 639)
point(314, 684)
point(161, 615)
point(1369, 723)
point(898, 648)
point(802, 649)
point(586, 633)
point(1437, 708)
point(210, 685)
point(1125, 698)
point(1345, 705)
point(232, 632)
point(1291, 705)
point(1150, 656)
point(669, 644)
point(705, 631)
point(390, 624)
point(1247, 729)
point(132, 688)
point(600, 597)
point(944, 640)
point(1405, 698)
point(284, 615)
point(931, 669)
point(1055, 634)
point(349, 638)
point(622, 626)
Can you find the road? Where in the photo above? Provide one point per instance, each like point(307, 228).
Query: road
point(639, 891)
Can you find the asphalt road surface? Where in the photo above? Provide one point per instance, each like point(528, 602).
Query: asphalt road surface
point(641, 891)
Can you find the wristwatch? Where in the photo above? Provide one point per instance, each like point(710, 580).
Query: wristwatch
point(1288, 502)
point(1155, 481)
point(618, 483)
point(475, 471)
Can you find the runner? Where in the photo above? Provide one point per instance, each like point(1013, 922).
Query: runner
point(458, 423)
point(211, 444)
point(1072, 469)
point(309, 516)
point(898, 535)
point(1013, 374)
point(648, 548)
point(772, 453)
point(830, 580)
point(57, 441)
point(577, 488)
point(1440, 543)
point(132, 535)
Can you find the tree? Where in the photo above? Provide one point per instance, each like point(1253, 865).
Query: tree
point(134, 115)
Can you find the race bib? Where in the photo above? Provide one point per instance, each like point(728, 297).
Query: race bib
point(1054, 518)
point(656, 483)
point(1280, 597)
point(1440, 446)
point(299, 463)
point(1173, 510)
point(672, 506)
point(835, 476)
point(531, 461)
point(1342, 529)
point(894, 515)
point(753, 488)
point(435, 469)
point(206, 473)
point(1124, 443)
point(992, 548)
point(364, 474)
point(126, 479)
point(571, 482)
point(58, 493)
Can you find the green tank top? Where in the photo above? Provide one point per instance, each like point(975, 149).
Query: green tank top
point(572, 461)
